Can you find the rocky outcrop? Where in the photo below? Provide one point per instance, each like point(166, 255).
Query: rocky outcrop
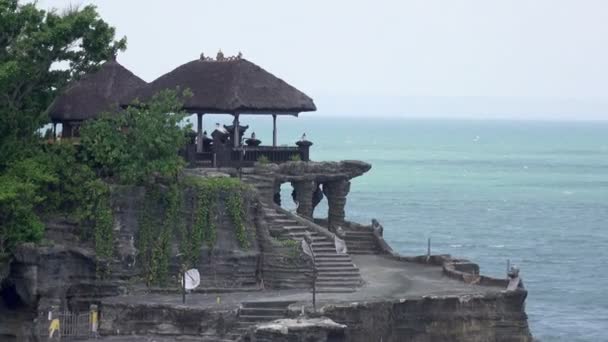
point(169, 321)
point(300, 330)
point(55, 273)
point(496, 317)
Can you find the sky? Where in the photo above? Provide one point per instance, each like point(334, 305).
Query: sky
point(527, 59)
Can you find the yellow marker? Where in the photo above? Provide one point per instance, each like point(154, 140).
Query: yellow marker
point(218, 300)
point(93, 320)
point(54, 326)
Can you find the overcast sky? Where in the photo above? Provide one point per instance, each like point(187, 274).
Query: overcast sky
point(464, 58)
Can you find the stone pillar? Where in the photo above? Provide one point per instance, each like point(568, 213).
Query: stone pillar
point(199, 132)
point(274, 130)
point(237, 137)
point(304, 190)
point(336, 193)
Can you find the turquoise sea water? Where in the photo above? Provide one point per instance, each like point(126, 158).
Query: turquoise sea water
point(532, 192)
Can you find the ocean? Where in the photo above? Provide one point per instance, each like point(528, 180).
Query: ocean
point(532, 192)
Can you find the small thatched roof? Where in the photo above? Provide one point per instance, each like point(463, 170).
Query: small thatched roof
point(230, 85)
point(95, 93)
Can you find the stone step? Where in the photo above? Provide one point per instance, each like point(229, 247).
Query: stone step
point(295, 228)
point(338, 274)
point(334, 260)
point(336, 289)
point(330, 282)
point(274, 214)
point(315, 236)
point(273, 304)
point(286, 220)
point(277, 312)
point(327, 256)
point(337, 270)
point(323, 243)
point(335, 267)
point(257, 318)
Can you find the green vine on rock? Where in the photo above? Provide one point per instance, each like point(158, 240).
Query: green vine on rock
point(236, 212)
point(97, 213)
point(160, 210)
point(162, 218)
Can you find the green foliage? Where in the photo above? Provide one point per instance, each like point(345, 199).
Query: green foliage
point(32, 42)
point(208, 191)
point(21, 195)
point(236, 212)
point(294, 247)
point(99, 214)
point(160, 217)
point(263, 160)
point(141, 141)
point(53, 181)
point(295, 157)
point(19, 223)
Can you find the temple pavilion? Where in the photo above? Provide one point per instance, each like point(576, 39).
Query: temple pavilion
point(221, 85)
point(236, 87)
point(91, 96)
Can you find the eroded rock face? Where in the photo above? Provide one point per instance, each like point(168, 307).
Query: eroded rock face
point(499, 317)
point(159, 320)
point(49, 272)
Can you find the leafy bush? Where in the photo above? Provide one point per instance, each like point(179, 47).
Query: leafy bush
point(141, 141)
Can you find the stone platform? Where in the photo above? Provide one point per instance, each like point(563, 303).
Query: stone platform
point(429, 298)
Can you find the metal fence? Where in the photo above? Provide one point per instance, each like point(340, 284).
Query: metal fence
point(67, 326)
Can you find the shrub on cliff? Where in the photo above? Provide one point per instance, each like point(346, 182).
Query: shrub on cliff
point(141, 141)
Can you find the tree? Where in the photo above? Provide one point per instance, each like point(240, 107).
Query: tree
point(40, 53)
point(141, 141)
point(33, 43)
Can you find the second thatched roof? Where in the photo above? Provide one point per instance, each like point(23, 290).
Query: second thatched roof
point(232, 85)
point(95, 93)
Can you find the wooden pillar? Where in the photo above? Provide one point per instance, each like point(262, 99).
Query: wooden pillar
point(274, 130)
point(199, 132)
point(236, 130)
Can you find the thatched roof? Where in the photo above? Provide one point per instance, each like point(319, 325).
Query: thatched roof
point(95, 93)
point(232, 85)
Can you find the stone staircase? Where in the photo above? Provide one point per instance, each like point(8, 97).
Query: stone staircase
point(264, 185)
point(336, 272)
point(252, 313)
point(361, 241)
